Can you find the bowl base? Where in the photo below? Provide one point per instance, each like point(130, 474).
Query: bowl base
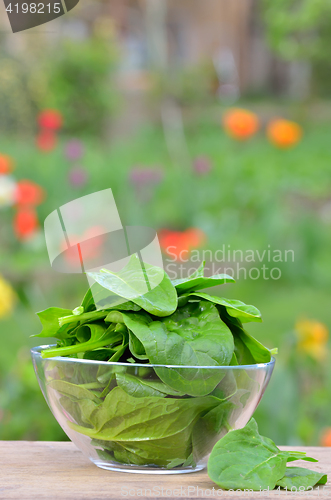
point(136, 469)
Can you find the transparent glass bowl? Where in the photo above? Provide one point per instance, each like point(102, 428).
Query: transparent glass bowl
point(130, 417)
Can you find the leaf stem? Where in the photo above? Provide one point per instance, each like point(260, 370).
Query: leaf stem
point(74, 349)
point(93, 315)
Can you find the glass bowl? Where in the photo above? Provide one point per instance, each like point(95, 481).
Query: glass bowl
point(132, 418)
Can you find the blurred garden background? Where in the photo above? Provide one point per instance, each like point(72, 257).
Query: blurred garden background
point(211, 122)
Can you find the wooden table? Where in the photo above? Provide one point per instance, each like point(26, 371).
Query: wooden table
point(57, 470)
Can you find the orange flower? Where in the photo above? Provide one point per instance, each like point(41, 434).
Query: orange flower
point(284, 133)
point(25, 223)
point(6, 164)
point(240, 123)
point(175, 243)
point(46, 140)
point(50, 119)
point(326, 437)
point(312, 338)
point(29, 193)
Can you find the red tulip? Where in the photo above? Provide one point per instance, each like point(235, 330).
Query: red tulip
point(29, 193)
point(50, 119)
point(25, 223)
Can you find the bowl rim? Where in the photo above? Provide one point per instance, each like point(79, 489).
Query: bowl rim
point(36, 351)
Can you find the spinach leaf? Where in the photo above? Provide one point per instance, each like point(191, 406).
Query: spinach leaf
point(165, 452)
point(198, 273)
point(136, 387)
point(136, 347)
point(234, 308)
point(89, 336)
point(71, 408)
point(73, 391)
point(209, 428)
point(247, 349)
point(50, 322)
point(147, 286)
point(122, 417)
point(140, 388)
point(197, 281)
point(88, 317)
point(108, 354)
point(95, 315)
point(160, 301)
point(105, 300)
point(299, 477)
point(193, 336)
point(243, 459)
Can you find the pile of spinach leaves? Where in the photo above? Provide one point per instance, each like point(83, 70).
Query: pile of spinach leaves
point(153, 416)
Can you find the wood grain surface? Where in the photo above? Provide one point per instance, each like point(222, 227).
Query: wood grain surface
point(57, 470)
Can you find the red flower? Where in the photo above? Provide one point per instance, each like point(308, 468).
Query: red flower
point(50, 119)
point(46, 140)
point(25, 223)
point(6, 164)
point(29, 193)
point(174, 243)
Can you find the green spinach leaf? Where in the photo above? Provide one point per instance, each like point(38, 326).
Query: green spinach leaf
point(243, 459)
point(147, 286)
point(50, 322)
point(73, 391)
point(140, 388)
point(105, 300)
point(122, 417)
point(193, 336)
point(197, 281)
point(234, 308)
point(299, 477)
point(247, 349)
point(89, 337)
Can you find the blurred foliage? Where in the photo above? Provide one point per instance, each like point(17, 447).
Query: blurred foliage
point(80, 84)
point(18, 97)
point(74, 76)
point(301, 30)
point(191, 85)
point(298, 28)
